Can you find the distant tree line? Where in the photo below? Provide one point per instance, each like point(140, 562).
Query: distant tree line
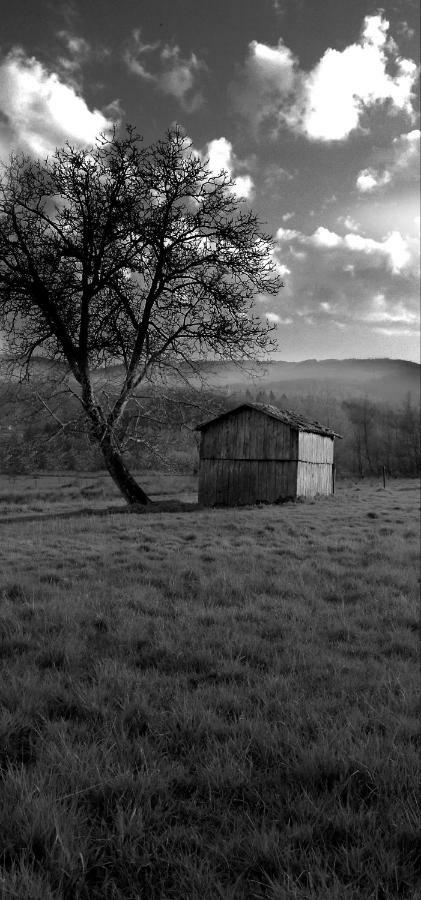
point(46, 435)
point(374, 434)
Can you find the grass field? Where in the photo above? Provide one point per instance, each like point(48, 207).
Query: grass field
point(208, 703)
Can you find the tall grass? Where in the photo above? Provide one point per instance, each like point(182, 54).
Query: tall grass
point(214, 703)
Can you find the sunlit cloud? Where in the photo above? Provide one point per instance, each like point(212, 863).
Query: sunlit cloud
point(275, 319)
point(39, 111)
point(352, 279)
point(221, 157)
point(401, 161)
point(328, 102)
point(394, 249)
point(368, 180)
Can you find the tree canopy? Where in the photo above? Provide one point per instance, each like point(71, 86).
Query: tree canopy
point(123, 253)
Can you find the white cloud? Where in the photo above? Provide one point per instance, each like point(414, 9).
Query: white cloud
point(368, 180)
point(327, 103)
point(395, 332)
point(39, 111)
point(274, 65)
point(395, 250)
point(172, 74)
point(394, 247)
point(401, 161)
point(322, 237)
point(269, 78)
point(338, 279)
point(383, 312)
point(221, 156)
point(287, 234)
point(407, 151)
point(274, 319)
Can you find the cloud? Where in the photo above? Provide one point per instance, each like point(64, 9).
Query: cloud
point(171, 73)
point(368, 180)
point(78, 52)
point(345, 279)
point(328, 102)
point(268, 83)
point(288, 234)
point(39, 111)
point(349, 223)
point(401, 162)
point(395, 332)
point(274, 319)
point(322, 237)
point(382, 312)
point(220, 156)
point(394, 250)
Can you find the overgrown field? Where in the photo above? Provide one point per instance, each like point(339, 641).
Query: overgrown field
point(208, 703)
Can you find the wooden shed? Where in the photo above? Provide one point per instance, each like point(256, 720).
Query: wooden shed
point(257, 453)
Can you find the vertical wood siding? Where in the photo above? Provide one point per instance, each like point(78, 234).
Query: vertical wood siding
point(249, 434)
point(315, 448)
point(313, 478)
point(228, 482)
point(250, 457)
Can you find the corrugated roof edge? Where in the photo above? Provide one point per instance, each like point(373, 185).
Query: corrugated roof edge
point(282, 415)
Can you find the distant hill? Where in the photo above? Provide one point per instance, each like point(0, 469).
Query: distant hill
point(385, 380)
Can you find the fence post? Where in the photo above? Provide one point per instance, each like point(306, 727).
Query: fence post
point(384, 476)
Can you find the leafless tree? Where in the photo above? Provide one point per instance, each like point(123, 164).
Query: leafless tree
point(132, 255)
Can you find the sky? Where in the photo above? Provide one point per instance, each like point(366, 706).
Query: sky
point(312, 108)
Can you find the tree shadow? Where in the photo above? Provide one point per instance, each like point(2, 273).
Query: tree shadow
point(158, 506)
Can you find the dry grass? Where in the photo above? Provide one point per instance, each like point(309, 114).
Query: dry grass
point(213, 703)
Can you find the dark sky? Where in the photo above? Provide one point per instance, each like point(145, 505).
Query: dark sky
point(311, 106)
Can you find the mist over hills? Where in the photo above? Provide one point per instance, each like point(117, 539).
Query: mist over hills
point(385, 380)
point(381, 380)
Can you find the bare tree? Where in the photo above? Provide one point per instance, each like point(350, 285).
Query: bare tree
point(122, 253)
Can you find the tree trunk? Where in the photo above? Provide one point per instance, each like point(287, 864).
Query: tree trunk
point(131, 490)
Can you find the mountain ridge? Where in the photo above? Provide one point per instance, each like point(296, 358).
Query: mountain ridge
point(379, 378)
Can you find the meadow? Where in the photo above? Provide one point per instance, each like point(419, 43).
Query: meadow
point(208, 703)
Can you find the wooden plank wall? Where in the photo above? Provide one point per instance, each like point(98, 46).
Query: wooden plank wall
point(249, 434)
point(250, 457)
point(228, 482)
point(315, 448)
point(313, 478)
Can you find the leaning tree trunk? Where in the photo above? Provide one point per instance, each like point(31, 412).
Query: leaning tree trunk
point(101, 433)
point(127, 485)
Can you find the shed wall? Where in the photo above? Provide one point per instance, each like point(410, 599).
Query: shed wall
point(236, 482)
point(249, 434)
point(313, 478)
point(250, 457)
point(315, 448)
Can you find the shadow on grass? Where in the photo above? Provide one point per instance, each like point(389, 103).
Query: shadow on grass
point(156, 506)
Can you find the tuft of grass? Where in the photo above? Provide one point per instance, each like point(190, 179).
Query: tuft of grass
point(211, 703)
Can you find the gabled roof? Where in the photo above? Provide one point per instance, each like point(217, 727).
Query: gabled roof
point(299, 423)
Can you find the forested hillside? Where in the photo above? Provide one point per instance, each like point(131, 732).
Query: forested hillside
point(41, 427)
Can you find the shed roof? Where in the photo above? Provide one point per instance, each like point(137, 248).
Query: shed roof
point(299, 423)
